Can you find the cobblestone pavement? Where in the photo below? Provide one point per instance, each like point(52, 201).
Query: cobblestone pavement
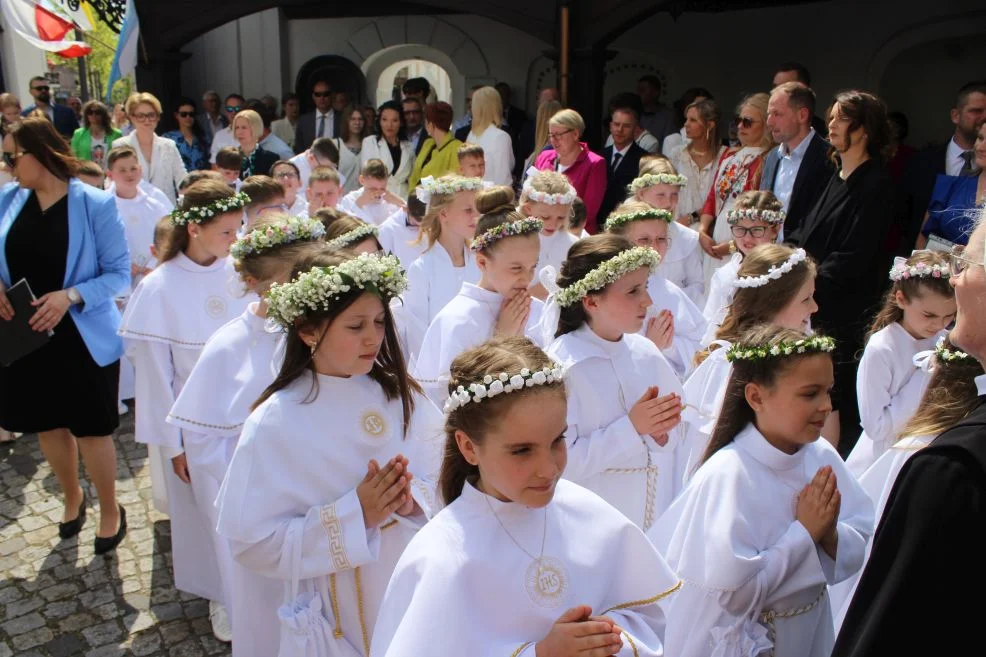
point(57, 599)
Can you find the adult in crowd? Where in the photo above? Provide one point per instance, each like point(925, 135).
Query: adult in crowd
point(92, 141)
point(656, 118)
point(844, 233)
point(622, 156)
point(270, 103)
point(953, 158)
point(75, 104)
point(190, 137)
point(160, 162)
point(418, 88)
point(353, 131)
point(340, 101)
point(414, 122)
point(583, 168)
point(62, 117)
point(954, 202)
point(248, 128)
point(641, 136)
point(10, 108)
point(696, 157)
point(120, 120)
point(901, 152)
point(318, 123)
point(487, 115)
point(391, 146)
point(212, 119)
point(515, 120)
point(527, 135)
point(930, 537)
point(67, 241)
point(224, 138)
point(540, 134)
point(680, 107)
point(439, 154)
point(285, 126)
point(462, 125)
point(369, 118)
point(799, 168)
point(268, 140)
point(795, 72)
point(322, 153)
point(739, 170)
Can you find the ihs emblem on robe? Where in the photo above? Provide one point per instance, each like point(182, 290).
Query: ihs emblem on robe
point(215, 307)
point(373, 424)
point(546, 581)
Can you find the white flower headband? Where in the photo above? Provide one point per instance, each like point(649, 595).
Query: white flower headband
point(317, 288)
point(811, 344)
point(946, 355)
point(608, 272)
point(353, 237)
point(775, 271)
point(427, 187)
point(901, 271)
point(199, 213)
point(772, 217)
point(617, 220)
point(491, 386)
point(286, 231)
point(509, 229)
point(531, 194)
point(651, 179)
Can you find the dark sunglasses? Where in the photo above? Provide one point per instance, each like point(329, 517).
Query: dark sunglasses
point(186, 115)
point(233, 108)
point(42, 88)
point(321, 94)
point(11, 158)
point(91, 111)
point(744, 121)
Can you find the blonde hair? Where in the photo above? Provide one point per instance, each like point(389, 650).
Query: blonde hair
point(547, 182)
point(9, 100)
point(321, 174)
point(950, 396)
point(253, 120)
point(487, 110)
point(545, 112)
point(759, 102)
point(142, 97)
point(629, 206)
point(654, 164)
point(431, 225)
point(568, 118)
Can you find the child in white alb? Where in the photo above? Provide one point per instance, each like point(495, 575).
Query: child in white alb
point(372, 202)
point(548, 196)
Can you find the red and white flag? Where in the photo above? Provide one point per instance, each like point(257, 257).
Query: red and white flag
point(42, 28)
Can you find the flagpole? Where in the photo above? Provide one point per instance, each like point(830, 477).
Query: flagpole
point(83, 77)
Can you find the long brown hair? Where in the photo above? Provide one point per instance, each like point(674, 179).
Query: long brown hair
point(203, 192)
point(736, 413)
point(37, 136)
point(389, 369)
point(511, 354)
point(584, 256)
point(866, 111)
point(496, 207)
point(911, 288)
point(950, 396)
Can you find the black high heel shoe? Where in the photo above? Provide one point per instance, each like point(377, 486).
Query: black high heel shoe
point(73, 527)
point(104, 545)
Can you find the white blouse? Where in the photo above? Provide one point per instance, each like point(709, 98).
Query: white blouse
point(499, 153)
point(692, 196)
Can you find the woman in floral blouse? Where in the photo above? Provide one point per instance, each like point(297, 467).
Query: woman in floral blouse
point(192, 143)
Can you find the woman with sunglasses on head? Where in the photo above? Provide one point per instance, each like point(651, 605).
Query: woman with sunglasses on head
point(192, 142)
point(159, 158)
point(92, 141)
point(67, 241)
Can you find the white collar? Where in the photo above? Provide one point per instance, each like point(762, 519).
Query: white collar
point(954, 151)
point(607, 347)
point(331, 112)
point(622, 152)
point(473, 291)
point(188, 264)
point(799, 151)
point(475, 498)
point(751, 441)
point(981, 384)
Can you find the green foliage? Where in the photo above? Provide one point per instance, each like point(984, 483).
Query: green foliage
point(103, 41)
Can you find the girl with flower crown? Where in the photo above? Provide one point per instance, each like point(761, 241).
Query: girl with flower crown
point(506, 251)
point(343, 231)
point(238, 362)
point(170, 317)
point(548, 196)
point(659, 185)
point(320, 493)
point(916, 310)
point(673, 323)
point(624, 400)
point(772, 517)
point(950, 396)
point(520, 562)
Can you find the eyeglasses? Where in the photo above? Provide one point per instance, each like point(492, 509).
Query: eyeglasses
point(91, 111)
point(559, 135)
point(321, 94)
point(144, 116)
point(233, 109)
point(10, 159)
point(286, 175)
point(755, 231)
point(957, 262)
point(186, 115)
point(41, 88)
point(745, 121)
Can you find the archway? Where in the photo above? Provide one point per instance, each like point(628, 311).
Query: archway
point(377, 64)
point(394, 76)
point(341, 73)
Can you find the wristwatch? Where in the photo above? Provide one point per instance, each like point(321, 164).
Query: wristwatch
point(73, 296)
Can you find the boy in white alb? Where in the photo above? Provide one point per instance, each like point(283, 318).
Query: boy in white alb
point(288, 176)
point(399, 233)
point(372, 202)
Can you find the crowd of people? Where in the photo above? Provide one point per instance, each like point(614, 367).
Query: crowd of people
point(713, 390)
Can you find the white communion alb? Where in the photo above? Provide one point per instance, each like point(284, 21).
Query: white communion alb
point(682, 264)
point(689, 323)
point(433, 281)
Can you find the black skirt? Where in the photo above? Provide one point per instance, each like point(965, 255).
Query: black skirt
point(59, 386)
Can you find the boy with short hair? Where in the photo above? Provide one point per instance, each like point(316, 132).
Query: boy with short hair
point(229, 160)
point(193, 177)
point(288, 176)
point(91, 174)
point(399, 233)
point(472, 160)
point(323, 189)
point(266, 196)
point(372, 202)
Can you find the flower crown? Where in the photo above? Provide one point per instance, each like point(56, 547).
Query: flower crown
point(199, 213)
point(772, 217)
point(428, 186)
point(317, 288)
point(775, 271)
point(532, 194)
point(946, 355)
point(651, 179)
point(286, 231)
point(354, 236)
point(608, 272)
point(901, 271)
point(491, 386)
point(808, 345)
point(617, 220)
point(510, 229)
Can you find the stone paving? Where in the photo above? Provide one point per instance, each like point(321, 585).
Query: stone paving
point(57, 599)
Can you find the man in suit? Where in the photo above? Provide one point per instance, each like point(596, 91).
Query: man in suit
point(62, 117)
point(212, 119)
point(317, 124)
point(953, 158)
point(223, 138)
point(799, 168)
point(795, 72)
point(414, 120)
point(622, 158)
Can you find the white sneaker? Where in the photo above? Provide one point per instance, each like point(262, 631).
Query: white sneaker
point(220, 622)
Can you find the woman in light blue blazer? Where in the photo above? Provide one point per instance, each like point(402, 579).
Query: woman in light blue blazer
point(67, 241)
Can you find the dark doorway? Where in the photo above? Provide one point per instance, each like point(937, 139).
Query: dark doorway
point(339, 72)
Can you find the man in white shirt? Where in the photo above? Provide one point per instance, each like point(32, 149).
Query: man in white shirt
point(414, 119)
point(622, 155)
point(323, 153)
point(317, 124)
point(224, 138)
point(211, 119)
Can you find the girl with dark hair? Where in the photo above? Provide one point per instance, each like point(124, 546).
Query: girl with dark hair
point(170, 317)
point(191, 140)
point(916, 310)
point(772, 517)
point(94, 139)
point(624, 400)
point(517, 545)
point(320, 493)
point(390, 145)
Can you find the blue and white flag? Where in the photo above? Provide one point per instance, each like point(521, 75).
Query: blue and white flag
point(125, 59)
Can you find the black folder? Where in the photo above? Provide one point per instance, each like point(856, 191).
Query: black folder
point(17, 338)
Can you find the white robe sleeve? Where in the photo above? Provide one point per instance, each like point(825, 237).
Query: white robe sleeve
point(415, 297)
point(154, 384)
point(590, 451)
point(693, 283)
point(881, 413)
